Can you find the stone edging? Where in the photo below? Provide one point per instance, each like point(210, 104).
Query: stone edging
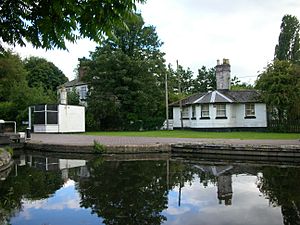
point(108, 149)
point(5, 160)
point(195, 148)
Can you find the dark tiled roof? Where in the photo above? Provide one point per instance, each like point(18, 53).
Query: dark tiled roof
point(221, 96)
point(243, 95)
point(73, 83)
point(188, 100)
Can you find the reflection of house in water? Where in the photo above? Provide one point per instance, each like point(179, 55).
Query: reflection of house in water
point(224, 181)
point(54, 164)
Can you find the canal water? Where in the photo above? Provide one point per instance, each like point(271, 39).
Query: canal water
point(83, 190)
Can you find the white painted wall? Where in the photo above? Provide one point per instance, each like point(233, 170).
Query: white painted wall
point(71, 118)
point(235, 117)
point(42, 128)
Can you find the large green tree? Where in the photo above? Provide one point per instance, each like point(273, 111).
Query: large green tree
point(288, 47)
point(49, 24)
point(43, 73)
point(15, 94)
point(205, 80)
point(12, 71)
point(126, 76)
point(280, 88)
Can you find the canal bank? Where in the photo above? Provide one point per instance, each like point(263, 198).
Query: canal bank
point(5, 160)
point(71, 143)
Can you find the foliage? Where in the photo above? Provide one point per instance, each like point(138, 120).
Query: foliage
point(288, 47)
point(198, 134)
point(29, 184)
point(10, 150)
point(280, 186)
point(49, 24)
point(98, 147)
point(280, 88)
point(8, 110)
point(236, 85)
point(15, 94)
point(43, 73)
point(73, 97)
point(23, 96)
point(12, 72)
point(184, 78)
point(126, 76)
point(126, 192)
point(205, 80)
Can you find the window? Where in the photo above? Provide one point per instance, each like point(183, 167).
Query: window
point(193, 112)
point(250, 110)
point(185, 113)
point(205, 111)
point(221, 111)
point(45, 114)
point(83, 92)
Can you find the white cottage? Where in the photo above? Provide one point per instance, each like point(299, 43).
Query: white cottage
point(221, 109)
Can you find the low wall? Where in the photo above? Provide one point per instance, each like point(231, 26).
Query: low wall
point(240, 150)
point(108, 149)
point(263, 152)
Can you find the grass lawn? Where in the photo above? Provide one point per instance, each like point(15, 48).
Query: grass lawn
point(199, 134)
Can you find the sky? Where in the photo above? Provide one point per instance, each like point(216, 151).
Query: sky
point(198, 32)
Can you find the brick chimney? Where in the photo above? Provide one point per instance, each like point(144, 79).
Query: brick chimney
point(223, 75)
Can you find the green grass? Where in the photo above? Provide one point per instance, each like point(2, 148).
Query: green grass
point(199, 134)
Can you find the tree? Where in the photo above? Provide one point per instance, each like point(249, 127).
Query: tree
point(280, 88)
point(48, 24)
point(15, 94)
point(137, 198)
point(205, 80)
point(12, 71)
point(73, 97)
point(43, 73)
point(236, 85)
point(126, 76)
point(288, 47)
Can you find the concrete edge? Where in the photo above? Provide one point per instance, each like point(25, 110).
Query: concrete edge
point(108, 149)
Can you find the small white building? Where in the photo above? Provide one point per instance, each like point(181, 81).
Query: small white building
point(221, 109)
point(57, 118)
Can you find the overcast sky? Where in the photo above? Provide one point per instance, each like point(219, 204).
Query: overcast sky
point(198, 32)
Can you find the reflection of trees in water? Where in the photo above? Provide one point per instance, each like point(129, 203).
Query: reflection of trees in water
point(30, 184)
point(126, 192)
point(135, 192)
point(281, 186)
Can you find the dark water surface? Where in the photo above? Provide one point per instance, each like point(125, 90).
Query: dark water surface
point(84, 190)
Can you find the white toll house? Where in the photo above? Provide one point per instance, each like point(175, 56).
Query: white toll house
point(57, 118)
point(221, 109)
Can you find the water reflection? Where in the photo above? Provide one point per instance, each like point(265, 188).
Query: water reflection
point(48, 190)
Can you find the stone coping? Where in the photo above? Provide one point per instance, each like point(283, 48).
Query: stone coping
point(5, 159)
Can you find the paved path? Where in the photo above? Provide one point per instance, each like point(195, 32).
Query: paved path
point(88, 140)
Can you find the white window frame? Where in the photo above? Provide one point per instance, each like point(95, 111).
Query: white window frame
point(205, 111)
point(185, 113)
point(249, 110)
point(220, 110)
point(82, 92)
point(193, 111)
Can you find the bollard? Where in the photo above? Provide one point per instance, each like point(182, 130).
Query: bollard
point(28, 133)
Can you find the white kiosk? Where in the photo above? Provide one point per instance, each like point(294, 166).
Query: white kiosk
point(57, 118)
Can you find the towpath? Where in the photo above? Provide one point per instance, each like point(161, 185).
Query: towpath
point(88, 140)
